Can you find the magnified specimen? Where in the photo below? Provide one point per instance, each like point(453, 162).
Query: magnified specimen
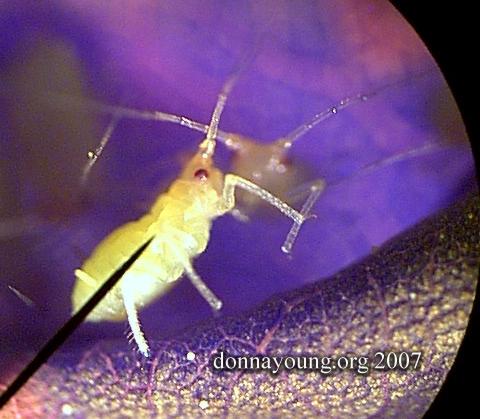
point(175, 60)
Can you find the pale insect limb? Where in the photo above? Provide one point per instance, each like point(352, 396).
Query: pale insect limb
point(83, 276)
point(300, 131)
point(131, 113)
point(318, 185)
point(230, 140)
point(133, 321)
point(146, 115)
point(202, 288)
point(208, 144)
point(425, 149)
point(315, 192)
point(405, 155)
point(94, 155)
point(130, 308)
point(232, 181)
point(21, 295)
point(64, 332)
point(305, 189)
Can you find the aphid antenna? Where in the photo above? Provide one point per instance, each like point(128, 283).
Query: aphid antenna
point(123, 112)
point(212, 130)
point(208, 144)
point(288, 140)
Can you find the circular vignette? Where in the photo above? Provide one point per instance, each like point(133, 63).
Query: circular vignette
point(141, 73)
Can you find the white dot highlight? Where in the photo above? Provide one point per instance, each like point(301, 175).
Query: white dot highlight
point(203, 404)
point(67, 409)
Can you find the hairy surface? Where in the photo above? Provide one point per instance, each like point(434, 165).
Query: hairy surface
point(415, 293)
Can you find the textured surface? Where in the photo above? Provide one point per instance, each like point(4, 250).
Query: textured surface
point(415, 293)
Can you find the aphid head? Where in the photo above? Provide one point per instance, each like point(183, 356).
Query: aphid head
point(202, 170)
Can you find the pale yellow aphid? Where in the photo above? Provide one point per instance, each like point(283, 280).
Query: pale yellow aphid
point(179, 225)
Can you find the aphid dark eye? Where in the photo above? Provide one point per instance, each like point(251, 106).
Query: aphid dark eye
point(201, 174)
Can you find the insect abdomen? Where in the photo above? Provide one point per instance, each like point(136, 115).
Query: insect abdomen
point(107, 257)
point(179, 234)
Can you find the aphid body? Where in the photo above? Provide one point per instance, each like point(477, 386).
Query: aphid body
point(179, 221)
point(178, 225)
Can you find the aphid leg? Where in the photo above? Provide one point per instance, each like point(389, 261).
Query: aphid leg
point(202, 288)
point(95, 154)
point(316, 190)
point(232, 181)
point(83, 276)
point(133, 320)
point(424, 149)
point(21, 296)
point(303, 191)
